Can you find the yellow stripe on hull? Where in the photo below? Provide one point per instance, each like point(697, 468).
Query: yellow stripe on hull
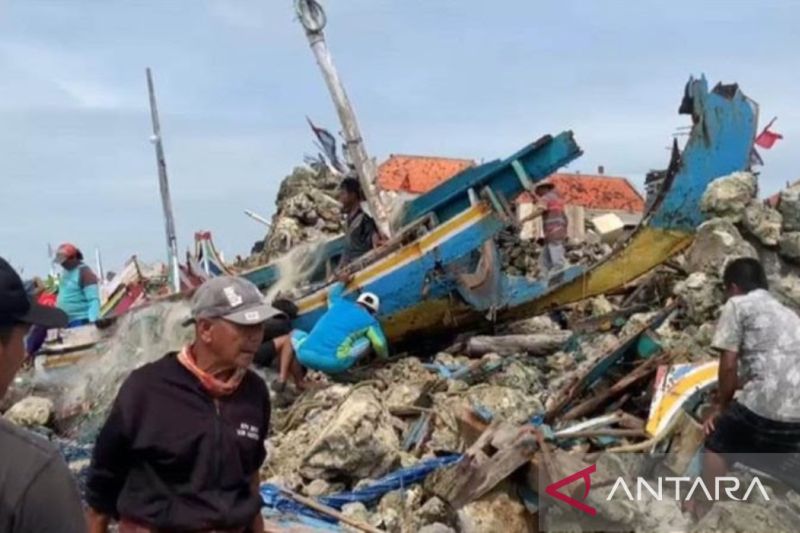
point(649, 248)
point(667, 403)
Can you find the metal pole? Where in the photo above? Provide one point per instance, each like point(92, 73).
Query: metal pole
point(166, 202)
point(312, 17)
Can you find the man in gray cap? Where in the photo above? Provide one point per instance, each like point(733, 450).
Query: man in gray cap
point(182, 446)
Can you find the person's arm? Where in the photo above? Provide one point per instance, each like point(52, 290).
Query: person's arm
point(335, 293)
point(51, 502)
point(727, 340)
point(91, 291)
point(378, 340)
point(110, 463)
point(258, 520)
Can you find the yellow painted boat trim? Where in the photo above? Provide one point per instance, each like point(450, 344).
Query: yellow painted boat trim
point(648, 248)
point(666, 403)
point(405, 255)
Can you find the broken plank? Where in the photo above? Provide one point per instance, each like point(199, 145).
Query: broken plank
point(329, 511)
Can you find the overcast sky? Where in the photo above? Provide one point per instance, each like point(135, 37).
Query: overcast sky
point(235, 80)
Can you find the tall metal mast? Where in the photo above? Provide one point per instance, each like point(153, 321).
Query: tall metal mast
point(166, 202)
point(313, 19)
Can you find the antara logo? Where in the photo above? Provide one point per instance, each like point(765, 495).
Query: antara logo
point(552, 490)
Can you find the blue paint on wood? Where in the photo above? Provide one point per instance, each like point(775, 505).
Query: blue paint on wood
point(720, 143)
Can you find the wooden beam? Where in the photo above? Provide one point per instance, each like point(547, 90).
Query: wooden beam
point(330, 511)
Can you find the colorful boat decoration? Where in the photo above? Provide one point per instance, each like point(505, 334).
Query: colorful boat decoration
point(677, 388)
point(450, 274)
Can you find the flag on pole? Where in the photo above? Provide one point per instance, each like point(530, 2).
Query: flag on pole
point(766, 139)
point(327, 144)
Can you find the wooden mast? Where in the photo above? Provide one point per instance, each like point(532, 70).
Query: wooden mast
point(312, 17)
point(166, 202)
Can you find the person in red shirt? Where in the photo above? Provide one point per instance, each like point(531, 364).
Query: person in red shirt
point(554, 221)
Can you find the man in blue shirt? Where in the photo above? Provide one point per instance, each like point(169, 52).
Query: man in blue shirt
point(346, 333)
point(78, 291)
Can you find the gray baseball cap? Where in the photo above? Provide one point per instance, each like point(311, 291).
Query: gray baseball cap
point(232, 298)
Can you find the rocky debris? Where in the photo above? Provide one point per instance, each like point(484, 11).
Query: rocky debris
point(702, 296)
point(726, 197)
point(763, 223)
point(789, 207)
point(537, 324)
point(436, 527)
point(320, 487)
point(355, 511)
point(359, 442)
point(496, 511)
point(306, 211)
point(787, 290)
point(717, 242)
point(600, 306)
point(31, 411)
point(790, 246)
point(434, 510)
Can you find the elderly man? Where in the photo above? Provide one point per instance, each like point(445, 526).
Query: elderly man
point(78, 291)
point(37, 492)
point(184, 441)
point(758, 395)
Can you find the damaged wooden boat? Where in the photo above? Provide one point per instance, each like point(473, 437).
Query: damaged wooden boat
point(442, 269)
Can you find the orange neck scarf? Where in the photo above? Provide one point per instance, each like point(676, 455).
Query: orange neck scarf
point(212, 385)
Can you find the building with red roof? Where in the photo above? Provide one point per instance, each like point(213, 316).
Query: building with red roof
point(418, 174)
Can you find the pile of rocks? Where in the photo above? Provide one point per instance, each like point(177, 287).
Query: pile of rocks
point(521, 257)
point(307, 210)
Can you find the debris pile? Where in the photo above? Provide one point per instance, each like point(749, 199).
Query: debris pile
point(306, 210)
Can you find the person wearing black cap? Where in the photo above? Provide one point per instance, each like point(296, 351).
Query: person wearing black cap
point(37, 492)
point(184, 441)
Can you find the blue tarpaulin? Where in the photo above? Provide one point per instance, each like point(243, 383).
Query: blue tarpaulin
point(275, 499)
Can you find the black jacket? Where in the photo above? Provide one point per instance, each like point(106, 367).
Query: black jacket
point(171, 457)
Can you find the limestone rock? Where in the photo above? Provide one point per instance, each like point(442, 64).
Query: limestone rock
point(702, 296)
point(763, 222)
point(434, 510)
point(789, 207)
point(726, 197)
point(359, 442)
point(790, 246)
point(436, 528)
point(31, 411)
point(601, 306)
point(496, 511)
point(635, 322)
point(320, 487)
point(787, 290)
point(537, 324)
point(355, 511)
point(505, 403)
point(717, 242)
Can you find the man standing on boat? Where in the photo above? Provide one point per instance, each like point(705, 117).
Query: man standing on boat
point(554, 222)
point(757, 407)
point(361, 232)
point(184, 441)
point(78, 290)
point(37, 492)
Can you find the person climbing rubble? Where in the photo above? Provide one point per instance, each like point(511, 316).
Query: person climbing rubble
point(554, 221)
point(37, 491)
point(78, 290)
point(757, 408)
point(182, 446)
point(276, 333)
point(361, 232)
point(347, 333)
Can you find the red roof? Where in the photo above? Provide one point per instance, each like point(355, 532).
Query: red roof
point(596, 192)
point(418, 174)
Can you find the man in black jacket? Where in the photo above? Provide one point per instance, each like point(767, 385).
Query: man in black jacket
point(184, 440)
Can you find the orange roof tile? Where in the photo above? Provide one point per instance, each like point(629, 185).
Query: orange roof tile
point(596, 192)
point(418, 174)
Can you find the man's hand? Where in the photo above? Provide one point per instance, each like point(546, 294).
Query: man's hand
point(97, 521)
point(344, 276)
point(710, 423)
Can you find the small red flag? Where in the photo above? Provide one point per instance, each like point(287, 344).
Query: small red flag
point(768, 138)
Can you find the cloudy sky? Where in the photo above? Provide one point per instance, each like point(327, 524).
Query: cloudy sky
point(235, 80)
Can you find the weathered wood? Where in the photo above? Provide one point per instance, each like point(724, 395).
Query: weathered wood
point(535, 344)
point(603, 322)
point(163, 183)
point(330, 511)
point(637, 374)
point(354, 142)
point(483, 465)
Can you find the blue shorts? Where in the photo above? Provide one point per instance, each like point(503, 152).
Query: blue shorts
point(330, 363)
